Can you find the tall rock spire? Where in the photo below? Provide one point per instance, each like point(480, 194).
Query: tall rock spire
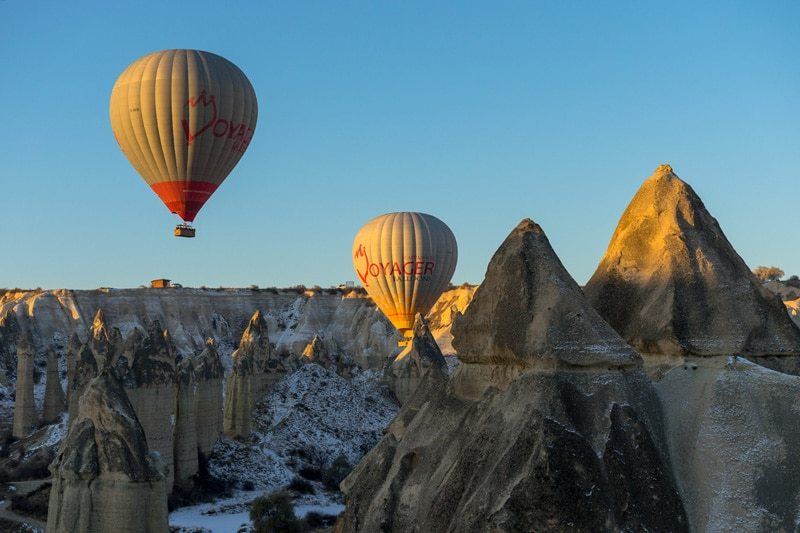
point(54, 403)
point(255, 370)
point(670, 282)
point(529, 311)
point(421, 356)
point(25, 416)
point(104, 476)
point(209, 374)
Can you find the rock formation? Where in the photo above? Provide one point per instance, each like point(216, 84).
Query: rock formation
point(104, 477)
point(85, 370)
point(549, 424)
point(73, 350)
point(422, 355)
point(209, 374)
point(147, 367)
point(185, 436)
point(9, 332)
point(54, 403)
point(25, 416)
point(255, 370)
point(325, 352)
point(672, 285)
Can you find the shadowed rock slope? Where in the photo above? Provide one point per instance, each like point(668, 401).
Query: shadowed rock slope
point(671, 284)
point(104, 477)
point(548, 425)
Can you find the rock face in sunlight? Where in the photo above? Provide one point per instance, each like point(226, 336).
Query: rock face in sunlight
point(25, 416)
point(420, 357)
point(54, 403)
point(549, 423)
point(672, 285)
point(104, 476)
point(256, 368)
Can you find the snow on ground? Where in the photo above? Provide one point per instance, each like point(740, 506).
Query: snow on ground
point(232, 514)
point(51, 436)
point(310, 418)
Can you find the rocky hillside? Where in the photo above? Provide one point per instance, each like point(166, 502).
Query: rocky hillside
point(351, 321)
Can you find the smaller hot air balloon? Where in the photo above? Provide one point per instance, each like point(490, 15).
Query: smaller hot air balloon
point(183, 118)
point(405, 261)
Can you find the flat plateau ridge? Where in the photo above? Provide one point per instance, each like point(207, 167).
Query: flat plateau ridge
point(194, 314)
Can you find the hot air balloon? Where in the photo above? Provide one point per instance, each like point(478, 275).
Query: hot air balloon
point(183, 118)
point(405, 261)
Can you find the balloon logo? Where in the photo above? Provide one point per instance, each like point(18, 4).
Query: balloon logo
point(183, 118)
point(405, 261)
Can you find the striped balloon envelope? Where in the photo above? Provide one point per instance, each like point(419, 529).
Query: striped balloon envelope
point(405, 261)
point(183, 118)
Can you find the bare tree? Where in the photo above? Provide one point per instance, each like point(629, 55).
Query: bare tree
point(768, 273)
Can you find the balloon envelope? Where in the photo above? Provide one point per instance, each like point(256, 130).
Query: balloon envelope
point(405, 261)
point(183, 118)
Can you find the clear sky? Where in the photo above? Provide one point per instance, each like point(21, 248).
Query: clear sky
point(479, 113)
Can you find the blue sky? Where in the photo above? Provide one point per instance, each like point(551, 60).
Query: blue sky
point(479, 113)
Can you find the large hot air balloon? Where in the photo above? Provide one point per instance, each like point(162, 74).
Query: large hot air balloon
point(405, 261)
point(183, 118)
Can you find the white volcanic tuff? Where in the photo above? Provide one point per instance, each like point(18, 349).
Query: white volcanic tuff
point(313, 416)
point(735, 436)
point(444, 313)
point(192, 315)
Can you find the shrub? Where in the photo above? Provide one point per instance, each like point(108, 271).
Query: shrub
point(301, 486)
point(33, 504)
point(336, 473)
point(274, 513)
point(768, 273)
point(319, 520)
point(311, 472)
point(248, 485)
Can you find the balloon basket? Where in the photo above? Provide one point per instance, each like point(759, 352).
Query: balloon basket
point(184, 230)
